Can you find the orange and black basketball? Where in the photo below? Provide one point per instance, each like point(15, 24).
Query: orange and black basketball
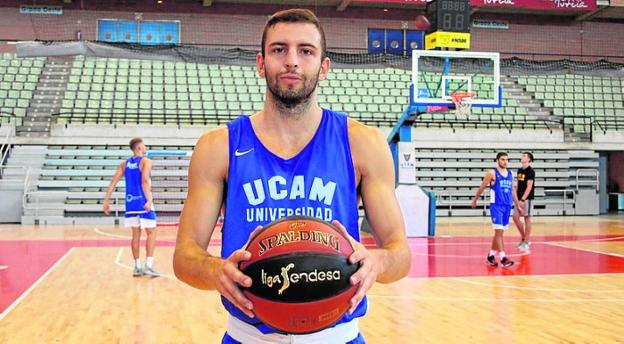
point(300, 273)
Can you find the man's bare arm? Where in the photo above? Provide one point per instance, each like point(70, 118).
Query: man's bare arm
point(489, 177)
point(119, 173)
point(191, 262)
point(527, 192)
point(376, 169)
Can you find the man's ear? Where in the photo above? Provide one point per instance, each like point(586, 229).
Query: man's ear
point(260, 65)
point(324, 71)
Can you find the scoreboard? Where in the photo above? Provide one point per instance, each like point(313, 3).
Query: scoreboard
point(450, 24)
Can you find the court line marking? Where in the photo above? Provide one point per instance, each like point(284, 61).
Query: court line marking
point(463, 280)
point(130, 268)
point(586, 250)
point(101, 232)
point(462, 256)
point(445, 299)
point(2, 267)
point(34, 285)
point(98, 231)
point(488, 242)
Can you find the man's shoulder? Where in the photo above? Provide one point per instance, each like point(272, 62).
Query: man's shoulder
point(213, 138)
point(361, 131)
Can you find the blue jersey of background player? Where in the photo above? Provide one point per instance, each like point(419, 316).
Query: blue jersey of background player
point(140, 213)
point(500, 181)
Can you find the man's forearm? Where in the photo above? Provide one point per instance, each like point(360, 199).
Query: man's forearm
point(527, 192)
point(194, 266)
point(147, 191)
point(395, 262)
point(111, 188)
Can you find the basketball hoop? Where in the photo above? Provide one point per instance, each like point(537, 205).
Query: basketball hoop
point(461, 101)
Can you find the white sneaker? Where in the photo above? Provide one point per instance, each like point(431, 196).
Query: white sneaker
point(137, 272)
point(525, 246)
point(519, 245)
point(151, 272)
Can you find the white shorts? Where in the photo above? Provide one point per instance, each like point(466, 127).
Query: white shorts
point(137, 221)
point(245, 333)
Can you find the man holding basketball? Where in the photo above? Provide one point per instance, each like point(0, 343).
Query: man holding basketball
point(291, 158)
point(140, 213)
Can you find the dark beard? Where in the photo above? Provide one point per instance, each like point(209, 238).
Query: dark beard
point(291, 99)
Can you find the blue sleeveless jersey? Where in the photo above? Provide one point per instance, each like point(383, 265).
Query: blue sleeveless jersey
point(501, 191)
point(262, 187)
point(135, 197)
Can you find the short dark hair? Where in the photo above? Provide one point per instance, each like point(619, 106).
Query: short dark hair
point(500, 154)
point(295, 15)
point(134, 142)
point(530, 155)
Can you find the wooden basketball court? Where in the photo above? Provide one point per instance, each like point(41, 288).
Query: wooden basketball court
point(73, 284)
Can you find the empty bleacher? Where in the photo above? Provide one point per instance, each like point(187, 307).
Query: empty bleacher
point(455, 174)
point(105, 90)
point(74, 179)
point(18, 79)
point(578, 99)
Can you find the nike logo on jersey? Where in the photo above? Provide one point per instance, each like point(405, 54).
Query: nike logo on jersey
point(237, 153)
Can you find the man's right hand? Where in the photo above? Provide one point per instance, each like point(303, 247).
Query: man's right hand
point(106, 206)
point(228, 278)
point(474, 203)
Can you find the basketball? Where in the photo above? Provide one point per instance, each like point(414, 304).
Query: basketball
point(422, 23)
point(300, 273)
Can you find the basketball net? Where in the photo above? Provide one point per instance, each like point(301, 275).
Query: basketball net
point(461, 101)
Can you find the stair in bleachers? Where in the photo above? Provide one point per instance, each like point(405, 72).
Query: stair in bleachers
point(46, 98)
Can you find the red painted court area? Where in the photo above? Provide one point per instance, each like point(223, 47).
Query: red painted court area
point(465, 256)
point(29, 260)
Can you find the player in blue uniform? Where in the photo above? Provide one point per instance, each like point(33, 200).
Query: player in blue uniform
point(500, 181)
point(140, 213)
point(291, 158)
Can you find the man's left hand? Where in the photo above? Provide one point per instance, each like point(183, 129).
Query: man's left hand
point(366, 275)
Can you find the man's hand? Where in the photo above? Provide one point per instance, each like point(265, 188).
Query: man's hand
point(106, 206)
point(521, 207)
point(148, 206)
point(228, 277)
point(474, 203)
point(366, 275)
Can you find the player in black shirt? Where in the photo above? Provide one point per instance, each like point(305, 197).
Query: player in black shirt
point(523, 199)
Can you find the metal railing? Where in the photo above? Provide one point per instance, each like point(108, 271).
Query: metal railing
point(444, 193)
point(4, 149)
point(592, 171)
point(565, 193)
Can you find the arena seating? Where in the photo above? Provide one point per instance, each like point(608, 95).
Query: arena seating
point(80, 175)
point(18, 78)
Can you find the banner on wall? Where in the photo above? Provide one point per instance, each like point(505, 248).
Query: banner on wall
point(558, 5)
point(442, 39)
point(407, 163)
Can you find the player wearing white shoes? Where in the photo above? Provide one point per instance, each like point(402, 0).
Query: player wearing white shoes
point(140, 213)
point(500, 181)
point(524, 194)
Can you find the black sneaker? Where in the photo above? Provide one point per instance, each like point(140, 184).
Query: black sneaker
point(506, 263)
point(491, 261)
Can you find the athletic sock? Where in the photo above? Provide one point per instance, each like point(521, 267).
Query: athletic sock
point(149, 262)
point(492, 253)
point(501, 254)
point(137, 263)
